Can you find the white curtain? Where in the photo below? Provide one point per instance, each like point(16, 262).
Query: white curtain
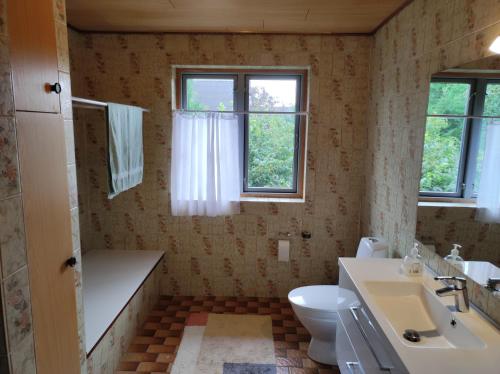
point(488, 196)
point(205, 170)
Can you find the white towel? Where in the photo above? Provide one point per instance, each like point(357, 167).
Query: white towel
point(125, 150)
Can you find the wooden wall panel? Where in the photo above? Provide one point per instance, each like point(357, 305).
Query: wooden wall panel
point(33, 53)
point(49, 242)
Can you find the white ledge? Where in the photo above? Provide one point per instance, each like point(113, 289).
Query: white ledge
point(272, 200)
point(110, 278)
point(446, 204)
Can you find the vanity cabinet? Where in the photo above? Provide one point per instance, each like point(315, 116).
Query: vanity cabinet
point(361, 346)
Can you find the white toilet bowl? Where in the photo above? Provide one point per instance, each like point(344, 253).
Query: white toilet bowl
point(316, 308)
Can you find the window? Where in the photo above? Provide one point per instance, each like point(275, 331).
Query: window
point(454, 144)
point(272, 132)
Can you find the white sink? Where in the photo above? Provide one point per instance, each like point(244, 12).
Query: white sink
point(410, 305)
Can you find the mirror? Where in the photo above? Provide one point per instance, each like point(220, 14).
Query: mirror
point(459, 198)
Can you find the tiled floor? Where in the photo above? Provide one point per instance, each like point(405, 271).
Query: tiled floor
point(153, 349)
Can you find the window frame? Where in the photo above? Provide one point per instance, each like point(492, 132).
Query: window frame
point(470, 139)
point(241, 103)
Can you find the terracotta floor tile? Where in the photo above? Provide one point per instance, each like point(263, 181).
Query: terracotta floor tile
point(147, 340)
point(166, 357)
point(303, 371)
point(139, 357)
point(138, 348)
point(172, 341)
point(308, 363)
point(128, 366)
point(197, 319)
point(152, 366)
point(333, 370)
point(161, 348)
point(177, 326)
point(154, 348)
point(296, 353)
point(289, 361)
point(166, 333)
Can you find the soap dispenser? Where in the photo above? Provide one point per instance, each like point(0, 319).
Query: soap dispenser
point(454, 257)
point(412, 263)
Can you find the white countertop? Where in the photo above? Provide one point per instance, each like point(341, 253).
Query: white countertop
point(480, 271)
point(426, 360)
point(109, 279)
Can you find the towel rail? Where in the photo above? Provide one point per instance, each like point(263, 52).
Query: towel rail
point(92, 104)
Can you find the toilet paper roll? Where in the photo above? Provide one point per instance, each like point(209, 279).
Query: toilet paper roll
point(283, 250)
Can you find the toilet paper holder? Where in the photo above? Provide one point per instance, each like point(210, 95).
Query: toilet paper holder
point(283, 235)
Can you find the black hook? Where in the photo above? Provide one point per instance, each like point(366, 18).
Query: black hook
point(56, 87)
point(71, 262)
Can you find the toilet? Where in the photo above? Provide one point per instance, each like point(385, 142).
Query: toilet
point(316, 307)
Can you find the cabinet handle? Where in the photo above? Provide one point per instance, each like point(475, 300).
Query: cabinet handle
point(354, 312)
point(71, 262)
point(56, 87)
point(351, 366)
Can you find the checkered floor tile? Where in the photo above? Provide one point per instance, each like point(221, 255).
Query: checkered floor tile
point(153, 349)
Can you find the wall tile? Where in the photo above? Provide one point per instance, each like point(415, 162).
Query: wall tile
point(17, 308)
point(443, 227)
point(125, 68)
point(65, 96)
point(12, 238)
point(9, 170)
point(62, 46)
point(75, 228)
point(70, 142)
point(73, 189)
point(60, 10)
point(23, 357)
point(3, 345)
point(451, 38)
point(6, 93)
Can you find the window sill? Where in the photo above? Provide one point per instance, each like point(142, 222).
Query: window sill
point(252, 199)
point(448, 204)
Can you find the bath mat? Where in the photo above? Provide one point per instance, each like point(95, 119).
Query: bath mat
point(249, 369)
point(217, 343)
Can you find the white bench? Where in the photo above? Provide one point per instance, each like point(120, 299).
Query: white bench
point(110, 280)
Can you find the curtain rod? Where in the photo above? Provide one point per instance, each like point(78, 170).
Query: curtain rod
point(92, 104)
point(238, 112)
point(461, 116)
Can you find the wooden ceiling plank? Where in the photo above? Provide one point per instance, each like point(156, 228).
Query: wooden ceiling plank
point(279, 16)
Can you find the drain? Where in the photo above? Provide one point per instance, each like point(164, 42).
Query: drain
point(411, 335)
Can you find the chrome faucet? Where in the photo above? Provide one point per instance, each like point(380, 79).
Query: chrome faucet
point(493, 283)
point(457, 286)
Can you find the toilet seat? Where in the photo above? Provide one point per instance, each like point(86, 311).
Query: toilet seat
point(318, 301)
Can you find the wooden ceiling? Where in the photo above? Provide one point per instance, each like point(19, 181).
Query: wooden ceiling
point(239, 16)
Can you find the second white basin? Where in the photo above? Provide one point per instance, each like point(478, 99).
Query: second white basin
point(410, 305)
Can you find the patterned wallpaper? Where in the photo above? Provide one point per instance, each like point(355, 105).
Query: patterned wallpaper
point(426, 37)
point(234, 255)
point(444, 226)
point(17, 352)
